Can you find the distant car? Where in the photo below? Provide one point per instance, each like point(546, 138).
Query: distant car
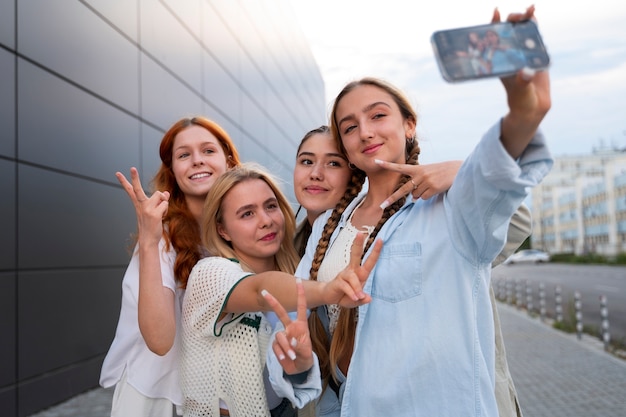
point(528, 256)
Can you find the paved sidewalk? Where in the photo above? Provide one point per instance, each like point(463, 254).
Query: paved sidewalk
point(556, 375)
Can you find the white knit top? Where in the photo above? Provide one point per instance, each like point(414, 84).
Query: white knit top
point(336, 259)
point(221, 359)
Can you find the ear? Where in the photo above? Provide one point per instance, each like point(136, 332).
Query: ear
point(222, 232)
point(409, 128)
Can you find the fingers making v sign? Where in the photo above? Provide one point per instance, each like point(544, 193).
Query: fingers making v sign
point(425, 180)
point(150, 210)
point(292, 346)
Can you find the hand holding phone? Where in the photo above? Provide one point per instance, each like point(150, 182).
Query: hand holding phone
point(492, 50)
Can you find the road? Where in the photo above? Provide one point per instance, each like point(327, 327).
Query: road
point(591, 281)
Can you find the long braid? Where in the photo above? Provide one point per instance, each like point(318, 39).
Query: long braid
point(319, 336)
point(342, 343)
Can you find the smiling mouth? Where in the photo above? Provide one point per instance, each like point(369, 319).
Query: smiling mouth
point(200, 175)
point(372, 148)
point(315, 190)
point(269, 237)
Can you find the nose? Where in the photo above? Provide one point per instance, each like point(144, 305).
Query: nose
point(317, 172)
point(366, 131)
point(197, 158)
point(265, 220)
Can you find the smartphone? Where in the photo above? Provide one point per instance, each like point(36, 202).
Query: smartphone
point(492, 50)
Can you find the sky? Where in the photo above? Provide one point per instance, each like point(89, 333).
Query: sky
point(391, 40)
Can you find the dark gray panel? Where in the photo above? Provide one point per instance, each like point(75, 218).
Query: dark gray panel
point(123, 15)
point(7, 102)
point(8, 237)
point(82, 135)
point(165, 98)
point(66, 317)
point(70, 222)
point(8, 325)
point(57, 386)
point(79, 45)
point(151, 140)
point(8, 401)
point(170, 43)
point(7, 24)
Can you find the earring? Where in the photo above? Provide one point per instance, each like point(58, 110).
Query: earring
point(351, 166)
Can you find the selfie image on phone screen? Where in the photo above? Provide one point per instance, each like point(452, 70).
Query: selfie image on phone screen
point(489, 50)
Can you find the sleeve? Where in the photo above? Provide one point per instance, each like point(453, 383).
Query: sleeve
point(299, 393)
point(168, 258)
point(520, 228)
point(488, 189)
point(210, 284)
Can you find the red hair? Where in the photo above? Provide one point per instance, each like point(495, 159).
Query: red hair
point(181, 228)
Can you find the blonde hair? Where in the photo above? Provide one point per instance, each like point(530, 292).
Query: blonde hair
point(330, 353)
point(286, 258)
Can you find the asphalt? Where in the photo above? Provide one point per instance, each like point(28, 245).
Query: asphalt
point(555, 373)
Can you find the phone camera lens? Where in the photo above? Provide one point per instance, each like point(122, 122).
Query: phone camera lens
point(530, 43)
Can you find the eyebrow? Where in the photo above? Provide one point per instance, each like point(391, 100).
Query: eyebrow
point(203, 144)
point(252, 206)
point(365, 109)
point(331, 154)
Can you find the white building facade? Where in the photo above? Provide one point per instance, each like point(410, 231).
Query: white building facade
point(580, 207)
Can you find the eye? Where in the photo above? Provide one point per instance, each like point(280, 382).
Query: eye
point(305, 161)
point(349, 129)
point(246, 214)
point(336, 163)
point(209, 151)
point(182, 155)
point(378, 115)
point(272, 206)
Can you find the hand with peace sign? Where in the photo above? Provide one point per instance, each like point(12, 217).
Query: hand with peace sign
point(292, 346)
point(150, 210)
point(347, 287)
point(426, 180)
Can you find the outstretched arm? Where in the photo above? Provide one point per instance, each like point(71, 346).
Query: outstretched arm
point(528, 97)
point(346, 289)
point(156, 307)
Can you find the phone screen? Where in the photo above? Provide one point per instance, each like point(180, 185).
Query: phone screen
point(497, 49)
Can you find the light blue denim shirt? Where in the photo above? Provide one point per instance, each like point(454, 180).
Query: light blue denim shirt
point(425, 344)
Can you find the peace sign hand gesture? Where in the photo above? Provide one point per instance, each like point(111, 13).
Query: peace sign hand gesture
point(150, 210)
point(292, 346)
point(426, 180)
point(347, 287)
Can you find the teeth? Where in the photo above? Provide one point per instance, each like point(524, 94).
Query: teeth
point(200, 175)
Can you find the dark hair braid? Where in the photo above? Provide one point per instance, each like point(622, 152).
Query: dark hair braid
point(319, 338)
point(342, 343)
point(354, 188)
